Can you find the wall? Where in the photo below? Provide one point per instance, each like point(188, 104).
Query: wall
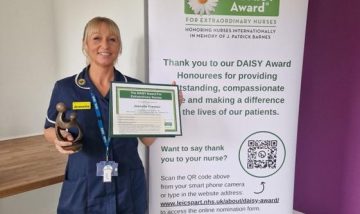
point(328, 166)
point(40, 42)
point(27, 65)
point(39, 201)
point(70, 19)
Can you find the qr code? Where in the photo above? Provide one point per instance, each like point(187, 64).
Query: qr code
point(262, 154)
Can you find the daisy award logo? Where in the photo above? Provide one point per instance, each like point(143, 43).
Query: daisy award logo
point(233, 7)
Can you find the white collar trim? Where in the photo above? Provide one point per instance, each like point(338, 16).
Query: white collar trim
point(77, 82)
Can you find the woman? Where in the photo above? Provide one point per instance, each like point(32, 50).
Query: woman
point(83, 191)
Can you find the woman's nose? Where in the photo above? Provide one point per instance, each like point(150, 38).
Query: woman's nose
point(105, 43)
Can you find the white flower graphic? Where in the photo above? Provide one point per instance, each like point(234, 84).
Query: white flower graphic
point(203, 6)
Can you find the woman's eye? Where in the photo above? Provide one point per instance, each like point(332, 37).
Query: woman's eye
point(95, 38)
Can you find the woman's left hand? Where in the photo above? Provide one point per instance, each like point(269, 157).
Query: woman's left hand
point(181, 96)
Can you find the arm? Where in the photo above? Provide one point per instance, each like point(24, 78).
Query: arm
point(50, 136)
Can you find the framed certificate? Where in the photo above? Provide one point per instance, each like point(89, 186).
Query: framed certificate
point(144, 110)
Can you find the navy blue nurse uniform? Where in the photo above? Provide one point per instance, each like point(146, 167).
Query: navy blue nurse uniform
point(83, 191)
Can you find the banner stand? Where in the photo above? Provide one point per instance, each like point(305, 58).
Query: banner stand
point(238, 64)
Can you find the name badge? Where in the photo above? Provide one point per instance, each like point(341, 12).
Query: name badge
point(107, 173)
point(107, 169)
point(81, 105)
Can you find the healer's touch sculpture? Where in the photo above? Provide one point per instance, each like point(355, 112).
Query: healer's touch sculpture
point(63, 123)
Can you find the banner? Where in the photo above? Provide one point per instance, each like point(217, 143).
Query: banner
point(238, 64)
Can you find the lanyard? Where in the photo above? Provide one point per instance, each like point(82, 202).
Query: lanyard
point(106, 140)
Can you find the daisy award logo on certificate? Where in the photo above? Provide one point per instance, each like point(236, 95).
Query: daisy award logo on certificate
point(233, 7)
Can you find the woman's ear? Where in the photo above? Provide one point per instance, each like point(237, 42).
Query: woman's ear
point(84, 48)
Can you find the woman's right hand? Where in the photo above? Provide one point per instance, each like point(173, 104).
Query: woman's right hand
point(60, 144)
point(50, 136)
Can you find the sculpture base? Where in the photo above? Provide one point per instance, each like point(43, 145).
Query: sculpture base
point(75, 147)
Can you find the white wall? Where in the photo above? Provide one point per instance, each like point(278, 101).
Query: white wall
point(40, 42)
point(70, 19)
point(39, 201)
point(27, 65)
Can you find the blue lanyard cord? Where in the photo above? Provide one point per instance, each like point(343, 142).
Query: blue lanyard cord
point(106, 141)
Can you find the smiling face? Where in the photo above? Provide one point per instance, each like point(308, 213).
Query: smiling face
point(101, 44)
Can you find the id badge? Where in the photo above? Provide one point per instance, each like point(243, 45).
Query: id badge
point(107, 173)
point(107, 169)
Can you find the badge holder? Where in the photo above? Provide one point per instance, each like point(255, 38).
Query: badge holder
point(107, 169)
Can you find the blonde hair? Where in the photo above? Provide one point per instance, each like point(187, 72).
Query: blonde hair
point(93, 26)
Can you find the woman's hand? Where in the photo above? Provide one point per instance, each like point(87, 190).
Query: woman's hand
point(147, 140)
point(150, 140)
point(59, 144)
point(180, 95)
point(50, 136)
